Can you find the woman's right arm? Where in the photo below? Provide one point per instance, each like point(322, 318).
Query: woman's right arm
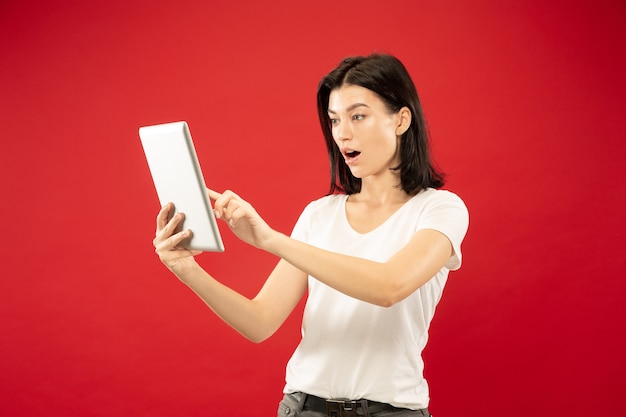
point(257, 318)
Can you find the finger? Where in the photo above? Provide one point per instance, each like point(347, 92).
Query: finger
point(164, 232)
point(223, 202)
point(235, 215)
point(219, 200)
point(231, 194)
point(230, 209)
point(172, 242)
point(213, 195)
point(162, 217)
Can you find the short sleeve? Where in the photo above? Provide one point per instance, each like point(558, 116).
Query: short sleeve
point(448, 214)
point(302, 227)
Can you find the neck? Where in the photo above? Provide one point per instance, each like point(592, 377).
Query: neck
point(381, 192)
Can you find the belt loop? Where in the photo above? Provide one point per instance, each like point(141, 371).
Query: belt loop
point(301, 397)
point(365, 407)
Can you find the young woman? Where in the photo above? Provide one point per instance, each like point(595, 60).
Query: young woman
point(374, 254)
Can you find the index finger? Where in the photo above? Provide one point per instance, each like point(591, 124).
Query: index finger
point(213, 195)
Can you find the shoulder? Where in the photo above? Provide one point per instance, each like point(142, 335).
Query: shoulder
point(435, 195)
point(432, 206)
point(317, 214)
point(432, 198)
point(325, 203)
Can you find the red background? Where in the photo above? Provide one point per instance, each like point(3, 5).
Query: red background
point(525, 102)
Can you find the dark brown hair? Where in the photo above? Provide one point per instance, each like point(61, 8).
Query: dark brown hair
point(386, 76)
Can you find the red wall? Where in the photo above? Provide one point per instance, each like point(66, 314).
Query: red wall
point(526, 108)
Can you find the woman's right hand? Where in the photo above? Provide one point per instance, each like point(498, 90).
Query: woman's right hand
point(166, 243)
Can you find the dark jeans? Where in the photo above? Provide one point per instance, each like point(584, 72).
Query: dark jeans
point(292, 404)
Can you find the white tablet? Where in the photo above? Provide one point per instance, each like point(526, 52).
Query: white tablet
point(178, 179)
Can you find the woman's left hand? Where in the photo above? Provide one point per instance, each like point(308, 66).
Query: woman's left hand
point(241, 218)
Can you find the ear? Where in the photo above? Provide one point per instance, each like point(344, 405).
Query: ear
point(404, 120)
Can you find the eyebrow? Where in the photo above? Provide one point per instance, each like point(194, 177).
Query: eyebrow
point(350, 107)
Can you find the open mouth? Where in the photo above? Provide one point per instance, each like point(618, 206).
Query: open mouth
point(352, 154)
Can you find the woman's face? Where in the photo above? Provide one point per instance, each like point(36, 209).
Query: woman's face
point(366, 133)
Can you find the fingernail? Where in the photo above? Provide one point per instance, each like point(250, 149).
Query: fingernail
point(217, 213)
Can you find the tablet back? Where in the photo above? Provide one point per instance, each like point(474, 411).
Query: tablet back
point(178, 179)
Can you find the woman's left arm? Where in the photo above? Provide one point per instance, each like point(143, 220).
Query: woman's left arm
point(380, 283)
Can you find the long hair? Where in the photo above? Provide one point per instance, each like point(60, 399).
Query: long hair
point(386, 76)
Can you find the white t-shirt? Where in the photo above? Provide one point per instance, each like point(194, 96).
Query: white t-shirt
point(352, 349)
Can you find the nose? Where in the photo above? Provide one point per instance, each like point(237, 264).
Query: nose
point(342, 131)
